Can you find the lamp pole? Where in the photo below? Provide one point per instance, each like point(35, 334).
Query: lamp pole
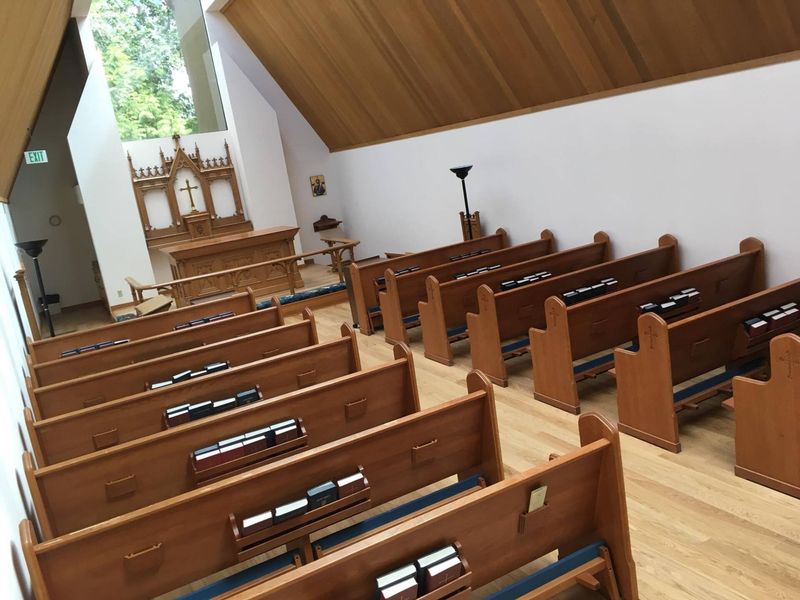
point(34, 249)
point(461, 173)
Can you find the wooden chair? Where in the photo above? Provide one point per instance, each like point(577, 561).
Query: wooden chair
point(158, 548)
point(48, 373)
point(95, 487)
point(105, 425)
point(768, 420)
point(97, 388)
point(499, 330)
point(365, 277)
point(588, 328)
point(443, 314)
point(584, 518)
point(137, 329)
point(398, 301)
point(674, 353)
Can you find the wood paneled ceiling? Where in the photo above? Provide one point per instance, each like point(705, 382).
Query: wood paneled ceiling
point(364, 71)
point(30, 36)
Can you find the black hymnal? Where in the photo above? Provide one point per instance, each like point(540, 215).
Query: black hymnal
point(507, 285)
point(182, 376)
point(215, 366)
point(67, 353)
point(180, 326)
point(223, 405)
point(200, 410)
point(102, 345)
point(159, 384)
point(292, 509)
point(265, 432)
point(247, 396)
point(194, 322)
point(320, 495)
point(756, 326)
point(195, 374)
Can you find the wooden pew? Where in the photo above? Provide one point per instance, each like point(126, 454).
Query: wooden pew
point(136, 329)
point(398, 302)
point(98, 427)
point(48, 373)
point(674, 353)
point(364, 276)
point(768, 420)
point(97, 388)
point(584, 329)
point(444, 313)
point(77, 493)
point(496, 331)
point(585, 518)
point(158, 548)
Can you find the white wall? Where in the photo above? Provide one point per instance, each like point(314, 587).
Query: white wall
point(305, 153)
point(711, 161)
point(43, 190)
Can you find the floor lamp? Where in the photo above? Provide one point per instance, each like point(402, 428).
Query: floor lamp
point(34, 249)
point(461, 173)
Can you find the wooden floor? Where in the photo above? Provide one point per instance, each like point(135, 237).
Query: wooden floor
point(697, 530)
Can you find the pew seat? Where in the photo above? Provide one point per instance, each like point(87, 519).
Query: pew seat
point(562, 568)
point(713, 384)
point(385, 519)
point(262, 571)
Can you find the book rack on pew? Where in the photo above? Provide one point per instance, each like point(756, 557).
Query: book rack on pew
point(248, 461)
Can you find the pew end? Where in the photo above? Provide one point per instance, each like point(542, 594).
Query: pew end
point(548, 235)
point(403, 352)
point(35, 447)
point(668, 240)
point(434, 329)
point(39, 504)
point(27, 537)
point(485, 342)
point(308, 315)
point(492, 464)
point(551, 356)
point(601, 237)
point(644, 386)
point(275, 301)
point(32, 398)
point(394, 329)
point(752, 244)
point(347, 331)
point(252, 296)
point(767, 414)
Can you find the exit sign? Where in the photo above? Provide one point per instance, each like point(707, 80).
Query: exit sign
point(35, 157)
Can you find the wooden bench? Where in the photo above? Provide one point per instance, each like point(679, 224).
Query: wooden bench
point(398, 302)
point(48, 373)
point(98, 486)
point(136, 329)
point(588, 328)
point(98, 427)
point(499, 330)
point(365, 277)
point(675, 353)
point(444, 313)
point(97, 388)
point(158, 548)
point(768, 420)
point(584, 518)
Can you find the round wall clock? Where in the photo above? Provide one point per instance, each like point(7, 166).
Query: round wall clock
point(55, 220)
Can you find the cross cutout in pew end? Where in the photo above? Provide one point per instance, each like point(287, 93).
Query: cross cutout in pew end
point(651, 335)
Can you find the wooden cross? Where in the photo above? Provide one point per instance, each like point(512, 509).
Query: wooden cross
point(651, 334)
point(554, 315)
point(787, 358)
point(189, 189)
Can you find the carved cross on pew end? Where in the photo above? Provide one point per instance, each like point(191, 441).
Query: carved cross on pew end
point(790, 360)
point(651, 335)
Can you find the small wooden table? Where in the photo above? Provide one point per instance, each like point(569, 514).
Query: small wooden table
point(207, 256)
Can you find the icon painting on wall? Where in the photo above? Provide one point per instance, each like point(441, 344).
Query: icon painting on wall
point(318, 185)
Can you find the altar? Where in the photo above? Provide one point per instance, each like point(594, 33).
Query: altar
point(213, 256)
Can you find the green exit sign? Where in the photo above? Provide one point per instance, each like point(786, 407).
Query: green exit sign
point(35, 157)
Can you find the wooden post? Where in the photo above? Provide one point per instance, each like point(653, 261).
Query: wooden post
point(33, 321)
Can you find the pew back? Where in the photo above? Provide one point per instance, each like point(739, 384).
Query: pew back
point(365, 292)
point(75, 493)
point(403, 292)
point(449, 302)
point(97, 388)
point(98, 427)
point(139, 328)
point(158, 548)
point(496, 534)
point(47, 373)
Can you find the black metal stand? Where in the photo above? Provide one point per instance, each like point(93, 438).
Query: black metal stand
point(461, 173)
point(34, 249)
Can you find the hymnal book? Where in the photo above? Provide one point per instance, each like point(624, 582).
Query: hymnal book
point(179, 407)
point(255, 444)
point(442, 573)
point(507, 285)
point(322, 494)
point(219, 316)
point(200, 451)
point(159, 384)
point(231, 452)
point(756, 326)
point(402, 590)
point(256, 522)
point(570, 297)
point(778, 320)
point(792, 313)
point(666, 306)
point(430, 559)
point(209, 459)
point(404, 572)
point(103, 345)
point(215, 366)
point(180, 326)
point(247, 396)
point(199, 373)
point(537, 498)
point(648, 307)
point(223, 405)
point(789, 306)
point(200, 410)
point(284, 434)
point(182, 376)
point(66, 353)
point(86, 348)
point(292, 509)
point(179, 417)
point(265, 432)
point(770, 313)
point(351, 484)
point(197, 322)
point(234, 440)
point(493, 267)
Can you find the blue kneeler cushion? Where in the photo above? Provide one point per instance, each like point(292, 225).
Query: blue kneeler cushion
point(510, 347)
point(600, 360)
point(396, 513)
point(305, 295)
point(549, 573)
point(456, 331)
point(236, 580)
point(715, 380)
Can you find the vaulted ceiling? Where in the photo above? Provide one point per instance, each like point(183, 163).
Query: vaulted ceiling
point(31, 36)
point(364, 71)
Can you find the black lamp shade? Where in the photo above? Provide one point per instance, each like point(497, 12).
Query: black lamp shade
point(32, 248)
point(461, 172)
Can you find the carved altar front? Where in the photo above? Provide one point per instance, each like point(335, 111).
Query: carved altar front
point(213, 256)
point(156, 186)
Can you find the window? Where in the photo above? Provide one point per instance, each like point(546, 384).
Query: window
point(158, 65)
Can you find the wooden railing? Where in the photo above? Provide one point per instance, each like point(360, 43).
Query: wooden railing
point(175, 288)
